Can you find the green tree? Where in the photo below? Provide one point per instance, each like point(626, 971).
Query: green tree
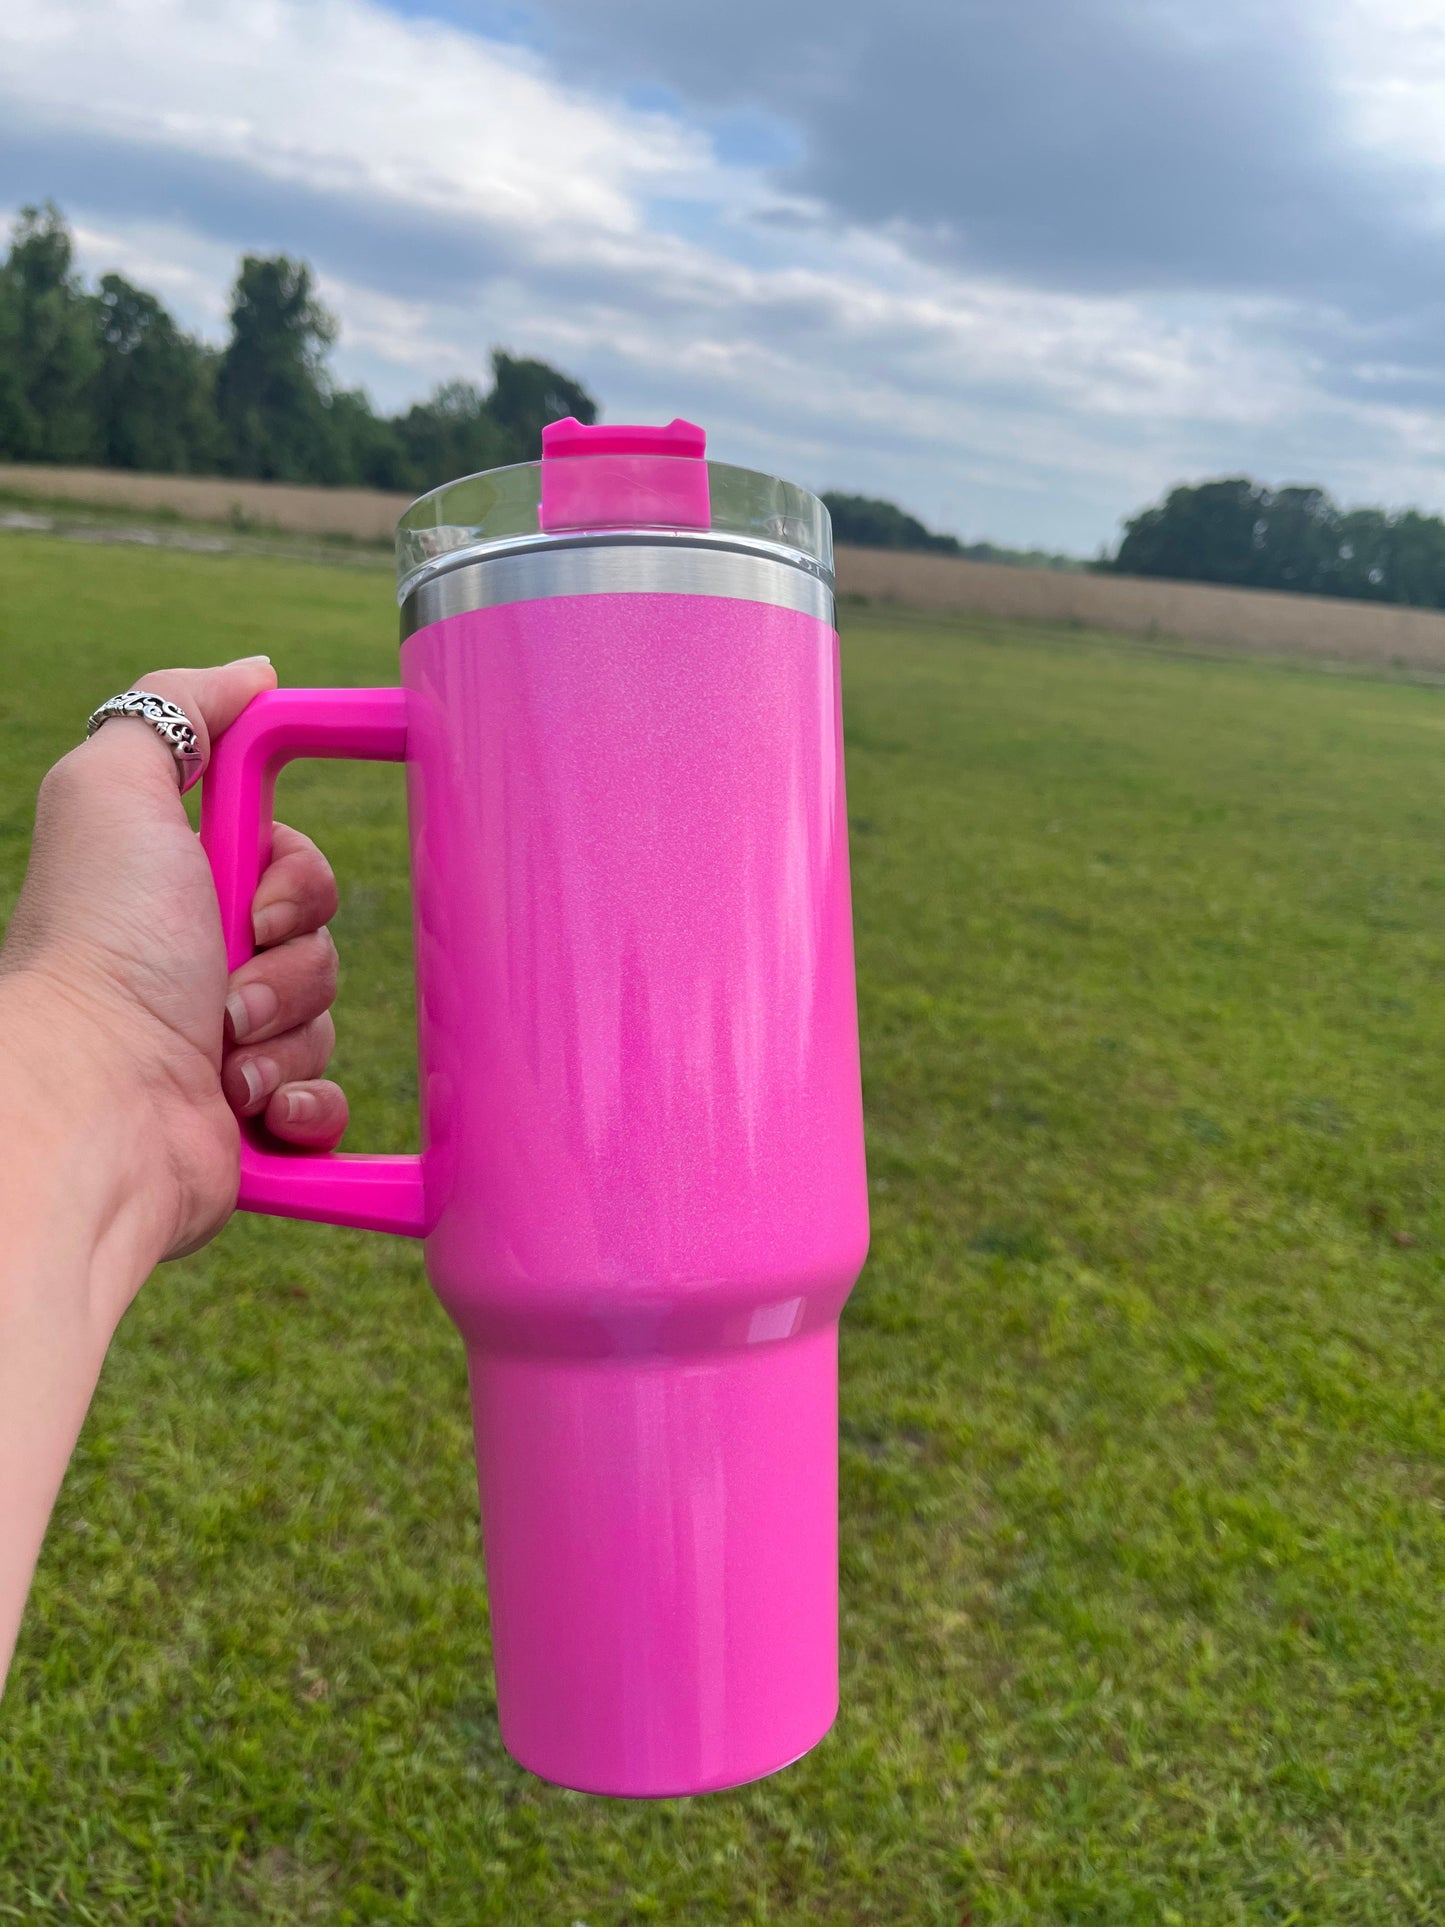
point(1236, 531)
point(111, 377)
point(1204, 534)
point(1297, 541)
point(154, 399)
point(354, 444)
point(874, 524)
point(1364, 564)
point(452, 433)
point(525, 396)
point(1416, 570)
point(272, 387)
point(48, 349)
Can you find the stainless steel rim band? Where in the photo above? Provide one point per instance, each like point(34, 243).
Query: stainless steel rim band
point(616, 568)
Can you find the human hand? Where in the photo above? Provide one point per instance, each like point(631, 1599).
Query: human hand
point(115, 972)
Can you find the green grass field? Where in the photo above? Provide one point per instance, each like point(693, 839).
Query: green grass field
point(1143, 1429)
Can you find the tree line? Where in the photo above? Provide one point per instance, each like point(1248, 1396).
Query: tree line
point(1239, 532)
point(108, 377)
point(872, 523)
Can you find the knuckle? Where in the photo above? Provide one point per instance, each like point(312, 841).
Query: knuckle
point(160, 682)
point(328, 965)
point(60, 779)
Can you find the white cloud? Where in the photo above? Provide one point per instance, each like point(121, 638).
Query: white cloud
point(1388, 63)
point(342, 97)
point(615, 242)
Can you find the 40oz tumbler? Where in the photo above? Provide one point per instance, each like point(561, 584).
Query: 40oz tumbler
point(642, 1186)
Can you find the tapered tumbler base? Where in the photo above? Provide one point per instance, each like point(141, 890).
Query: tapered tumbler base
point(661, 1548)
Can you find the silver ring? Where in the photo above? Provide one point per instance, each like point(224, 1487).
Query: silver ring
point(169, 721)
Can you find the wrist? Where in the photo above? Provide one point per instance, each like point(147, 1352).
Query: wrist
point(87, 1170)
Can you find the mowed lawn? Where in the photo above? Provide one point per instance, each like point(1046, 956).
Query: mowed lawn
point(1143, 1457)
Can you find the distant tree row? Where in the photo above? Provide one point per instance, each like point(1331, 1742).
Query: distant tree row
point(873, 524)
point(1236, 531)
point(870, 523)
point(107, 376)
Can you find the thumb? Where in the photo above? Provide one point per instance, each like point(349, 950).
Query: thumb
point(129, 749)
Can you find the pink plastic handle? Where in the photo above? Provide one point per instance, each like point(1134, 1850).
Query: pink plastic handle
point(329, 1187)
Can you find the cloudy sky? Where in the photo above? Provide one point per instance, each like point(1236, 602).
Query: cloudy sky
point(1018, 264)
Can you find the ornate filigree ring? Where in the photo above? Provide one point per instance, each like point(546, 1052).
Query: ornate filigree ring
point(169, 721)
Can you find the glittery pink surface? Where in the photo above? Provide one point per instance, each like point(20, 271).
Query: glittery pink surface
point(644, 1160)
point(642, 1174)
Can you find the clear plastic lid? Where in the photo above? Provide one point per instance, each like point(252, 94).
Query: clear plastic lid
point(509, 509)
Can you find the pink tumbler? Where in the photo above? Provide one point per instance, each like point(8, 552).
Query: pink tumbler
point(642, 1189)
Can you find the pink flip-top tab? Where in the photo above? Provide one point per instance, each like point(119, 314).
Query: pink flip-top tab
point(571, 437)
point(616, 475)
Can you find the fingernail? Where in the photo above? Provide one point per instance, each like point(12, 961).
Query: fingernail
point(249, 1006)
point(277, 920)
point(241, 661)
point(301, 1106)
point(262, 1075)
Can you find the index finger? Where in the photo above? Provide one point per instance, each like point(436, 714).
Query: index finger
point(212, 698)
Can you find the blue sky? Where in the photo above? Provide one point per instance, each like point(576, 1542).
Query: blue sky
point(1018, 264)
